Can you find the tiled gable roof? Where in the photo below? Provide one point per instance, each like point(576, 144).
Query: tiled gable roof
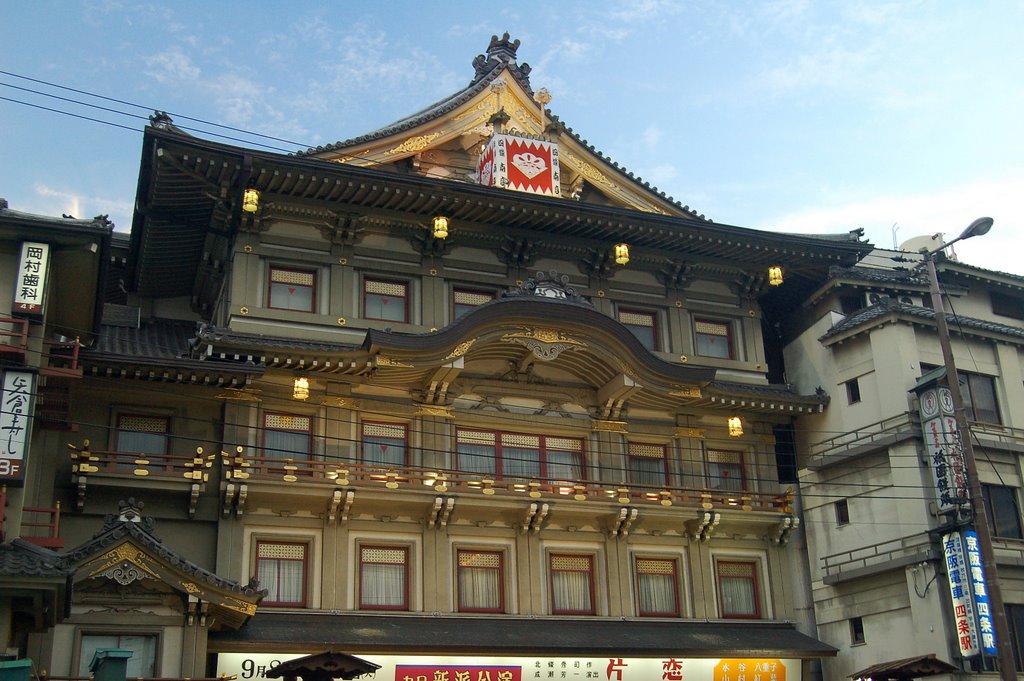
point(892, 307)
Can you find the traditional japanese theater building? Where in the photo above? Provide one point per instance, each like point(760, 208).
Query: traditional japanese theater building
point(460, 395)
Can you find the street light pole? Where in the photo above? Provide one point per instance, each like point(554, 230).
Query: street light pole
point(1007, 664)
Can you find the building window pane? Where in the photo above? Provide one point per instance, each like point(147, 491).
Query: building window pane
point(384, 444)
point(842, 512)
point(477, 452)
point(481, 581)
point(725, 470)
point(1015, 622)
point(979, 393)
point(142, 434)
point(464, 300)
point(647, 464)
point(383, 578)
point(852, 391)
point(657, 587)
point(292, 289)
point(281, 570)
point(141, 663)
point(520, 456)
point(641, 324)
point(737, 589)
point(1002, 511)
point(286, 436)
point(386, 300)
point(714, 339)
point(856, 631)
point(572, 585)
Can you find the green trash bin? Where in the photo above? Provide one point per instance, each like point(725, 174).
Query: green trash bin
point(15, 670)
point(110, 664)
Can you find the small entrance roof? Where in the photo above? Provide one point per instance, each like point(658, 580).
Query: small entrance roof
point(908, 668)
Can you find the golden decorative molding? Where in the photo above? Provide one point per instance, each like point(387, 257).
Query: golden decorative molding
point(486, 105)
point(239, 606)
point(588, 171)
point(434, 410)
point(688, 391)
point(606, 426)
point(339, 402)
point(125, 553)
point(414, 144)
point(545, 344)
point(461, 349)
point(240, 394)
point(686, 431)
point(385, 361)
point(191, 588)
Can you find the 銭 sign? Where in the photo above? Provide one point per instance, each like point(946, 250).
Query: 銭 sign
point(15, 424)
point(30, 282)
point(522, 164)
point(945, 454)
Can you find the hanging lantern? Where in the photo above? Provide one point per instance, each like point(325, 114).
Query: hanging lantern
point(735, 426)
point(440, 227)
point(300, 390)
point(621, 254)
point(251, 200)
point(775, 275)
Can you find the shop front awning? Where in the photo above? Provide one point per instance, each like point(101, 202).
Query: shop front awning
point(915, 667)
point(307, 632)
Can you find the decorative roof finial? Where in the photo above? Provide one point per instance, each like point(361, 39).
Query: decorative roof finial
point(503, 49)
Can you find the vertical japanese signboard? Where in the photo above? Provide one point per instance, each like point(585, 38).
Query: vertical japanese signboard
point(15, 424)
point(30, 283)
point(960, 593)
point(979, 592)
point(942, 443)
point(522, 164)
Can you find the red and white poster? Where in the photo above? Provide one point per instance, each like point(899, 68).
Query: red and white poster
point(521, 164)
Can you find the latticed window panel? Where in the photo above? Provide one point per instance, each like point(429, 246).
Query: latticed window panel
point(483, 559)
point(294, 277)
point(655, 566)
point(734, 569)
point(724, 456)
point(281, 551)
point(647, 450)
point(385, 288)
point(142, 424)
point(471, 298)
point(383, 555)
point(571, 563)
point(476, 437)
point(710, 328)
point(564, 443)
point(388, 430)
point(287, 422)
point(520, 440)
point(636, 318)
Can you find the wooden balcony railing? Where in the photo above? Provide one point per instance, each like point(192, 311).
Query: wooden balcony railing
point(13, 337)
point(246, 470)
point(41, 526)
point(60, 358)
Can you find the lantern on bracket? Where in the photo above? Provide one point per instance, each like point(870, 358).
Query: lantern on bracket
point(440, 227)
point(251, 200)
point(300, 389)
point(622, 254)
point(775, 275)
point(735, 426)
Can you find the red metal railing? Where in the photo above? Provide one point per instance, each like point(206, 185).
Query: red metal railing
point(60, 358)
point(41, 526)
point(13, 336)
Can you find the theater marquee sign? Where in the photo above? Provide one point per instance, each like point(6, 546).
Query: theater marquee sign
point(253, 667)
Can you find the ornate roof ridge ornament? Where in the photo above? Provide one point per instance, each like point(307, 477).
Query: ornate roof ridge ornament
point(501, 52)
point(548, 285)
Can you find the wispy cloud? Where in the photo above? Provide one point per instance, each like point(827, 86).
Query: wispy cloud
point(171, 66)
point(50, 201)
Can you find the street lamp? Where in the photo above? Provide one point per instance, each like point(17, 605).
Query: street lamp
point(1007, 664)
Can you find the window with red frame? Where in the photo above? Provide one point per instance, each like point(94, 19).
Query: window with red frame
point(465, 300)
point(481, 581)
point(142, 433)
point(384, 578)
point(725, 470)
point(642, 324)
point(281, 570)
point(647, 464)
point(384, 444)
point(657, 587)
point(386, 300)
point(714, 338)
point(520, 456)
point(292, 289)
point(287, 436)
point(738, 594)
point(572, 584)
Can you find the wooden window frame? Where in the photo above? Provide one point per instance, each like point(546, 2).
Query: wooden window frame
point(405, 441)
point(730, 335)
point(591, 579)
point(857, 637)
point(266, 429)
point(630, 457)
point(655, 329)
point(543, 449)
point(405, 298)
point(501, 579)
point(852, 391)
point(992, 510)
point(303, 602)
point(742, 465)
point(755, 567)
point(405, 605)
point(469, 308)
point(842, 509)
point(312, 287)
point(141, 415)
point(675, 582)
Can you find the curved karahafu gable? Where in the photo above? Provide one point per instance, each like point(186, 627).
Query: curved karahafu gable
point(126, 555)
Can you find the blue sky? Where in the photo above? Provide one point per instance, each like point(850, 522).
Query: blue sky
point(903, 118)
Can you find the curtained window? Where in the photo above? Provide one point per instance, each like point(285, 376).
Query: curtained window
point(725, 470)
point(520, 456)
point(384, 578)
point(481, 581)
point(143, 648)
point(572, 584)
point(142, 433)
point(657, 587)
point(1002, 510)
point(292, 289)
point(737, 589)
point(464, 300)
point(714, 338)
point(386, 300)
point(281, 570)
point(384, 444)
point(641, 324)
point(647, 464)
point(286, 436)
